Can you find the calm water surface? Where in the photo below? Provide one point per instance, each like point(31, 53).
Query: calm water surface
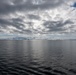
point(37, 57)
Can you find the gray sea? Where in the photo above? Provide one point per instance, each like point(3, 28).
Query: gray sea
point(37, 57)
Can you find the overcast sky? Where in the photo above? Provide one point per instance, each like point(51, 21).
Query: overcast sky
point(37, 16)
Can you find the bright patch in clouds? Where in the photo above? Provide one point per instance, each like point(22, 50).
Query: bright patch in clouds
point(37, 16)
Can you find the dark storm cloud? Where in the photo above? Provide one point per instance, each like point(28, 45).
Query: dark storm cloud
point(16, 23)
point(4, 22)
point(54, 26)
point(12, 22)
point(27, 31)
point(10, 6)
point(35, 17)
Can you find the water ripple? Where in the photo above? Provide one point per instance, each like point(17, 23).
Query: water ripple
point(37, 57)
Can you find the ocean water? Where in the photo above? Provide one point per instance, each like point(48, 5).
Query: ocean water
point(37, 57)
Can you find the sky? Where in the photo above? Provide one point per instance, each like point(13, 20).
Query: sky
point(38, 16)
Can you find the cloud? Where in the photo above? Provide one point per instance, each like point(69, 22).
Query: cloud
point(37, 16)
point(11, 6)
point(57, 26)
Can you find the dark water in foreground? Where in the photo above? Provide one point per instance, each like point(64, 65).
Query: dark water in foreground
point(38, 57)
